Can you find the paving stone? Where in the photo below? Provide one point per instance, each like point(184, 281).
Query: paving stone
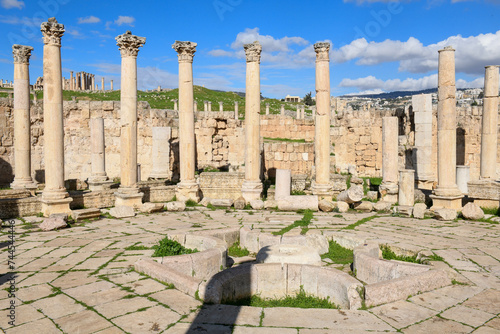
point(263, 330)
point(58, 306)
point(38, 264)
point(57, 242)
point(486, 301)
point(434, 301)
point(35, 253)
point(123, 306)
point(334, 331)
point(155, 319)
point(42, 326)
point(401, 313)
point(122, 278)
point(459, 292)
point(176, 300)
point(84, 322)
point(438, 325)
point(226, 315)
point(38, 278)
point(103, 297)
point(72, 279)
point(185, 328)
point(322, 318)
point(484, 280)
point(494, 323)
point(466, 315)
point(61, 252)
point(111, 330)
point(93, 263)
point(34, 292)
point(87, 289)
point(486, 330)
point(145, 286)
point(23, 314)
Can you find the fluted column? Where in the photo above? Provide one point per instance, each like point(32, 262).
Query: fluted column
point(322, 186)
point(187, 188)
point(489, 133)
point(128, 194)
point(447, 194)
point(22, 123)
point(252, 186)
point(55, 198)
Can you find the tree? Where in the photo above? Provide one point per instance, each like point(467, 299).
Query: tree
point(308, 101)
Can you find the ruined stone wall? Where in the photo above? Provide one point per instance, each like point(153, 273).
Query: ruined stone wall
point(356, 140)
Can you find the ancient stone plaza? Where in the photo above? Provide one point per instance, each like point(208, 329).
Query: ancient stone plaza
point(122, 218)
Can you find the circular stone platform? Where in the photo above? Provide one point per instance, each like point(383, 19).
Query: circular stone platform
point(297, 254)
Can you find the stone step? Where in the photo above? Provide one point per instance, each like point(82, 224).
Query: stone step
point(85, 214)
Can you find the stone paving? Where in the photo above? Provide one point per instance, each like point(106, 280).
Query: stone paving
point(81, 279)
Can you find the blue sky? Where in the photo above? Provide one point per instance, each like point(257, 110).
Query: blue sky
point(377, 45)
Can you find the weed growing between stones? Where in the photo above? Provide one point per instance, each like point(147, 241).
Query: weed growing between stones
point(338, 254)
point(304, 222)
point(191, 203)
point(168, 247)
point(359, 222)
point(236, 251)
point(300, 300)
point(388, 254)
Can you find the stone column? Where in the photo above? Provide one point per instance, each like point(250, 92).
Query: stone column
point(111, 83)
point(209, 105)
point(489, 131)
point(102, 84)
point(195, 106)
point(236, 116)
point(298, 111)
point(71, 78)
point(221, 107)
point(389, 186)
point(282, 111)
point(252, 186)
point(303, 112)
point(175, 105)
point(205, 106)
point(267, 108)
point(463, 176)
point(99, 179)
point(447, 194)
point(322, 187)
point(422, 109)
point(406, 187)
point(22, 122)
point(92, 83)
point(128, 194)
point(81, 87)
point(161, 153)
point(187, 188)
point(55, 198)
point(283, 184)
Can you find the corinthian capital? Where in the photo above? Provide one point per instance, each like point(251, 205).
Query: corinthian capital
point(52, 32)
point(22, 53)
point(129, 44)
point(252, 51)
point(322, 49)
point(185, 50)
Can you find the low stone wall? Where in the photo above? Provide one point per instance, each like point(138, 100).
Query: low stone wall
point(298, 157)
point(276, 126)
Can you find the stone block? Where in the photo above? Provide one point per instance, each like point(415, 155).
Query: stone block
point(225, 203)
point(257, 204)
point(54, 222)
point(445, 214)
point(342, 207)
point(91, 213)
point(326, 205)
point(151, 207)
point(288, 253)
point(419, 210)
point(301, 202)
point(472, 211)
point(271, 280)
point(122, 211)
point(363, 206)
point(240, 203)
point(175, 206)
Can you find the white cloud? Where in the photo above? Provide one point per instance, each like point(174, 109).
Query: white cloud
point(280, 90)
point(269, 43)
point(89, 19)
point(372, 84)
point(8, 4)
point(472, 53)
point(75, 33)
point(25, 21)
point(128, 20)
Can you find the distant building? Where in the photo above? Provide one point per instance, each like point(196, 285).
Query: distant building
point(289, 98)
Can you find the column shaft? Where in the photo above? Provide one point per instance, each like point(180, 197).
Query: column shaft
point(489, 133)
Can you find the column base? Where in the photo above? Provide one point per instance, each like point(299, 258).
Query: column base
point(323, 191)
point(29, 185)
point(53, 206)
point(188, 191)
point(96, 185)
point(128, 197)
point(389, 192)
point(251, 190)
point(446, 202)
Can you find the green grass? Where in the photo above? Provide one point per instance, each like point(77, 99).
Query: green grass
point(191, 203)
point(359, 222)
point(300, 300)
point(388, 254)
point(304, 223)
point(286, 140)
point(210, 170)
point(236, 251)
point(298, 192)
point(136, 246)
point(168, 247)
point(338, 254)
point(491, 211)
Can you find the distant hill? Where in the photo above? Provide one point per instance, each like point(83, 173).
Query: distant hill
point(393, 95)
